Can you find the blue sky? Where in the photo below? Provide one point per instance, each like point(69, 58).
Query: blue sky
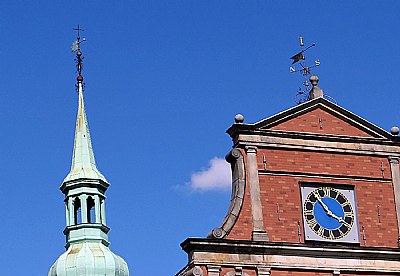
point(164, 80)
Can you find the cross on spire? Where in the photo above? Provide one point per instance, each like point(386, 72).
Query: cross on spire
point(78, 29)
point(76, 47)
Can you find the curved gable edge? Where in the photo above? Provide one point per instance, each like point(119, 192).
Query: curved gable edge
point(235, 158)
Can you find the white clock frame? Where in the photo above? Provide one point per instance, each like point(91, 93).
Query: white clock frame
point(348, 191)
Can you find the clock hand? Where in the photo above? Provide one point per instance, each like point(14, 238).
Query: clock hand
point(335, 216)
point(326, 209)
point(322, 203)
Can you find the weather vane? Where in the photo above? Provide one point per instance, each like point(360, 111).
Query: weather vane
point(304, 70)
point(76, 47)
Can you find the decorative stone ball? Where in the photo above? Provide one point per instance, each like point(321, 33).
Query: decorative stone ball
point(314, 80)
point(239, 118)
point(394, 130)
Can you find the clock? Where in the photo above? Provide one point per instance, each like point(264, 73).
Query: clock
point(329, 213)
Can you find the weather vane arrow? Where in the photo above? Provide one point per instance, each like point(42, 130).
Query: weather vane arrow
point(305, 70)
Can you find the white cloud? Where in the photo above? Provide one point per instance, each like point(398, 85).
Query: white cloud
point(216, 177)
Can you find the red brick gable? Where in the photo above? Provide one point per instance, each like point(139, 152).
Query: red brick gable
point(315, 117)
point(322, 122)
point(277, 164)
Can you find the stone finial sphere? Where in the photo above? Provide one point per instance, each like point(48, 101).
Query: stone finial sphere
point(239, 118)
point(314, 80)
point(394, 130)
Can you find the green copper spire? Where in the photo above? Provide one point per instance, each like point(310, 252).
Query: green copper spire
point(83, 162)
point(84, 189)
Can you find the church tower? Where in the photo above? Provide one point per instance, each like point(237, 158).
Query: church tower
point(84, 189)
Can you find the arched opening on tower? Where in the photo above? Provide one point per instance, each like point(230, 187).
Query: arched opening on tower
point(77, 211)
point(90, 210)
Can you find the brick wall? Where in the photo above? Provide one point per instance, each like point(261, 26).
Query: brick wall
point(320, 121)
point(284, 190)
point(323, 163)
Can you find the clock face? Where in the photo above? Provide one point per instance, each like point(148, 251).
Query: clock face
point(329, 214)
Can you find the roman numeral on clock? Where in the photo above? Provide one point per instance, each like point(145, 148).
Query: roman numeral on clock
point(312, 222)
point(327, 191)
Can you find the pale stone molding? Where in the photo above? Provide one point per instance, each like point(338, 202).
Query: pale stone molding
point(191, 271)
point(213, 270)
point(194, 271)
point(326, 258)
point(336, 272)
point(235, 158)
point(259, 233)
point(395, 171)
point(237, 272)
point(263, 271)
point(319, 143)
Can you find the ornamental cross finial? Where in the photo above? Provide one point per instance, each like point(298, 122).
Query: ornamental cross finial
point(76, 47)
point(76, 44)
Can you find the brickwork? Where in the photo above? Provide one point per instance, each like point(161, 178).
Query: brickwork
point(285, 191)
point(320, 121)
point(204, 269)
point(225, 270)
point(323, 163)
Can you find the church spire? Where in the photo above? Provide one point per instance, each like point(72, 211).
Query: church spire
point(84, 186)
point(84, 189)
point(83, 162)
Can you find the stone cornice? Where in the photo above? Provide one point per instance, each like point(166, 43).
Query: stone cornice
point(315, 250)
point(84, 182)
point(250, 130)
point(345, 145)
point(102, 227)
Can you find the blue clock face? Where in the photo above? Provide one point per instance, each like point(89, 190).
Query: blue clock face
point(328, 213)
